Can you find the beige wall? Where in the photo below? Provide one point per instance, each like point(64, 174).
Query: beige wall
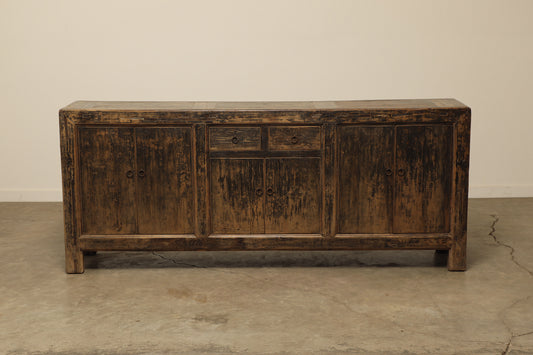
point(54, 52)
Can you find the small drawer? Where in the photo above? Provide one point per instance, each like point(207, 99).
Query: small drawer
point(294, 138)
point(235, 138)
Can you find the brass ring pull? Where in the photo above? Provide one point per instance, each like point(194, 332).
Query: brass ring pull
point(141, 173)
point(401, 172)
point(259, 192)
point(129, 174)
point(388, 172)
point(294, 140)
point(270, 192)
point(235, 140)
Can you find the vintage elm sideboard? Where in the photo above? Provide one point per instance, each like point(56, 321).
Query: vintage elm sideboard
point(332, 175)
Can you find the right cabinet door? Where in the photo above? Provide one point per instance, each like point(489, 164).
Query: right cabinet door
point(423, 178)
point(394, 179)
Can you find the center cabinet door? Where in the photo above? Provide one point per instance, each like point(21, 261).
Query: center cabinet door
point(164, 180)
point(237, 196)
point(293, 196)
point(272, 196)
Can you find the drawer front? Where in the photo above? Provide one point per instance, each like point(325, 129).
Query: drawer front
point(235, 138)
point(294, 138)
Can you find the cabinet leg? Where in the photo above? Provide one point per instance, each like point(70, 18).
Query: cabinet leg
point(73, 260)
point(457, 257)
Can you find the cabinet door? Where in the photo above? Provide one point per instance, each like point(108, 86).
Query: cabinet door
point(366, 164)
point(164, 180)
point(423, 178)
point(107, 180)
point(292, 196)
point(237, 201)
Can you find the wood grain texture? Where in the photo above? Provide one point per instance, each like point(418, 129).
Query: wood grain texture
point(201, 181)
point(329, 180)
point(107, 180)
point(73, 254)
point(293, 195)
point(293, 138)
point(461, 152)
point(237, 196)
point(164, 180)
point(423, 178)
point(366, 165)
point(270, 242)
point(328, 189)
point(234, 138)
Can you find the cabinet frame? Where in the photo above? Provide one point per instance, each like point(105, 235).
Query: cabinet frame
point(328, 115)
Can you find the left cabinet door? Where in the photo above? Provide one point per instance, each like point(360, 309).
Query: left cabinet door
point(164, 180)
point(107, 180)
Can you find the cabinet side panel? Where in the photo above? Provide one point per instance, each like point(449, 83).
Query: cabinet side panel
point(73, 254)
point(107, 190)
point(293, 196)
point(164, 173)
point(236, 196)
point(423, 178)
point(457, 255)
point(366, 156)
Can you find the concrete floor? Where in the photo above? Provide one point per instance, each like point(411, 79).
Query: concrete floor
point(268, 302)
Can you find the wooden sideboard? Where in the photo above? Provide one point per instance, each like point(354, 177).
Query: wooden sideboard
point(330, 175)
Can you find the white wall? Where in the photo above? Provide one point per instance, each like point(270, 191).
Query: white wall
point(54, 52)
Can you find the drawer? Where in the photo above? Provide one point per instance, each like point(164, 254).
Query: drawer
point(293, 138)
point(235, 138)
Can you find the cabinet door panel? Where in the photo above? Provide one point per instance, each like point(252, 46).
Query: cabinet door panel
point(164, 180)
point(107, 182)
point(423, 178)
point(366, 164)
point(292, 196)
point(237, 202)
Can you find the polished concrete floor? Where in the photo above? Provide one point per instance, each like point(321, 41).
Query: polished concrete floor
point(377, 302)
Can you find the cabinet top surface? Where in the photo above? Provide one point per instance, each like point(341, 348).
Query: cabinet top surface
point(355, 105)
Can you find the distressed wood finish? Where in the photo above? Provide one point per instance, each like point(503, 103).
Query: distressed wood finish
point(294, 138)
point(164, 181)
point(235, 138)
point(293, 196)
point(423, 179)
point(366, 165)
point(237, 196)
point(331, 175)
point(107, 180)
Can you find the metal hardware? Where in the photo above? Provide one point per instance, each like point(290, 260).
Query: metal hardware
point(141, 173)
point(235, 140)
point(270, 191)
point(129, 174)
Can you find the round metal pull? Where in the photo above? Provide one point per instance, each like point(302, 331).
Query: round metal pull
point(401, 172)
point(270, 192)
point(259, 192)
point(129, 174)
point(294, 140)
point(141, 173)
point(388, 172)
point(235, 140)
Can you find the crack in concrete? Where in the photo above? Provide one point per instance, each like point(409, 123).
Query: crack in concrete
point(512, 250)
point(508, 347)
point(512, 335)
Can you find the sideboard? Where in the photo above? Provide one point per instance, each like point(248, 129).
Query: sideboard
point(320, 175)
